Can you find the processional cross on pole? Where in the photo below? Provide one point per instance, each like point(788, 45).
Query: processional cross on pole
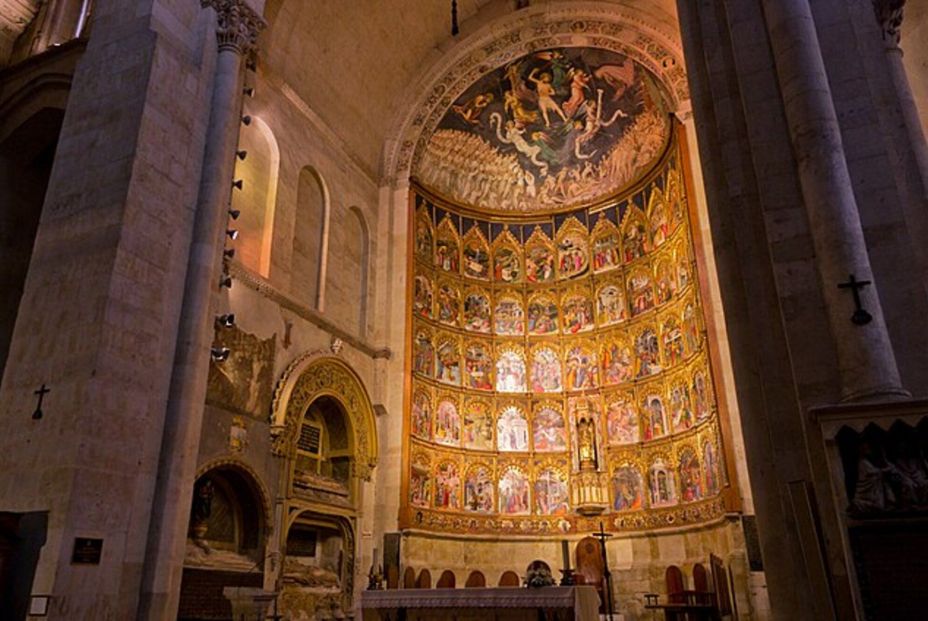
point(602, 535)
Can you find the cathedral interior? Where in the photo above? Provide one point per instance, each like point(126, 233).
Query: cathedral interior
point(513, 309)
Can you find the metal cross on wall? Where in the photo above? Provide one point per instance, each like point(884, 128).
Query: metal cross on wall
point(860, 316)
point(41, 392)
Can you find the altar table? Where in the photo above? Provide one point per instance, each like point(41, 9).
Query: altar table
point(576, 603)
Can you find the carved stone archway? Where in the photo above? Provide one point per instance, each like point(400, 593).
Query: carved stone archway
point(317, 375)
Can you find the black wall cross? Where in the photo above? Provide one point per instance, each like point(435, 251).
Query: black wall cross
point(860, 316)
point(41, 392)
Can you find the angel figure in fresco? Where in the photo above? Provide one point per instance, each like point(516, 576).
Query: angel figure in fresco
point(546, 92)
point(515, 107)
point(579, 82)
point(471, 110)
point(619, 77)
point(515, 137)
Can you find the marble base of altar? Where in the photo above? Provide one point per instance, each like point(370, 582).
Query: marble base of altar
point(576, 603)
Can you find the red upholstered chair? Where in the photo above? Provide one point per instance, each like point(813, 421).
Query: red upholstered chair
point(673, 577)
point(424, 581)
point(409, 578)
point(588, 567)
point(476, 579)
point(509, 579)
point(446, 580)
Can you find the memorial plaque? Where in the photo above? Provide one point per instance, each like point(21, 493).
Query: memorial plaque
point(87, 551)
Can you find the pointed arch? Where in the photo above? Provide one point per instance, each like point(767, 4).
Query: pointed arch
point(315, 375)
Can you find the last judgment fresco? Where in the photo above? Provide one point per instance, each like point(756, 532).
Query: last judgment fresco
point(552, 129)
point(560, 370)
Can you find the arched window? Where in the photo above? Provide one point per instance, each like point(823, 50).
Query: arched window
point(310, 239)
point(258, 196)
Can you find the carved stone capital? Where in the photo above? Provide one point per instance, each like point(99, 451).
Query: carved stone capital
point(889, 16)
point(237, 26)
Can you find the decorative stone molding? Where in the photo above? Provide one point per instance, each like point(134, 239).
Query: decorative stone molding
point(889, 16)
point(237, 26)
point(315, 375)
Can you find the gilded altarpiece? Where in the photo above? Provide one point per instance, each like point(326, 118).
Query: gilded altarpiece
point(523, 332)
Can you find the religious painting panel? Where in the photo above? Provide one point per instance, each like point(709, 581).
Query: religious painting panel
point(422, 297)
point(627, 489)
point(513, 492)
point(551, 492)
point(664, 278)
point(635, 242)
point(542, 315)
point(479, 489)
point(617, 360)
point(661, 484)
point(581, 367)
point(691, 331)
point(690, 475)
point(421, 415)
point(606, 249)
point(647, 353)
point(549, 431)
point(478, 425)
point(424, 236)
point(419, 480)
point(681, 406)
point(476, 255)
point(660, 219)
point(610, 304)
point(507, 259)
point(447, 486)
point(508, 315)
point(423, 359)
point(653, 413)
point(448, 361)
point(448, 304)
point(572, 250)
point(702, 395)
point(510, 369)
point(478, 366)
point(577, 311)
point(539, 258)
point(511, 430)
point(622, 419)
point(710, 463)
point(674, 196)
point(682, 260)
point(546, 370)
point(477, 311)
point(447, 424)
point(674, 347)
point(447, 248)
point(640, 291)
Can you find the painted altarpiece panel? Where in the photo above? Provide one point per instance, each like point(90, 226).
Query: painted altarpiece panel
point(448, 361)
point(660, 228)
point(640, 291)
point(477, 311)
point(447, 486)
point(549, 431)
point(511, 429)
point(476, 256)
point(420, 480)
point(627, 488)
point(508, 315)
point(424, 237)
point(447, 425)
point(423, 297)
point(661, 485)
point(421, 415)
point(572, 249)
point(478, 425)
point(551, 492)
point(423, 360)
point(510, 369)
point(514, 495)
point(605, 244)
point(478, 365)
point(447, 247)
point(507, 259)
point(577, 311)
point(622, 419)
point(581, 367)
point(618, 360)
point(546, 370)
point(635, 242)
point(539, 258)
point(479, 489)
point(448, 303)
point(611, 306)
point(689, 474)
point(542, 315)
point(653, 412)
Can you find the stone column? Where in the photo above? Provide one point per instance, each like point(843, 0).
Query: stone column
point(236, 33)
point(889, 14)
point(866, 361)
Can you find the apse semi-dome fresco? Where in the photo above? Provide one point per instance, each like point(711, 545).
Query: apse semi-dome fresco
point(554, 129)
point(560, 372)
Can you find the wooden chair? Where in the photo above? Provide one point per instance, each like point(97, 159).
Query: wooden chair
point(424, 581)
point(393, 577)
point(446, 580)
point(701, 593)
point(673, 578)
point(720, 584)
point(588, 567)
point(409, 578)
point(476, 579)
point(509, 579)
